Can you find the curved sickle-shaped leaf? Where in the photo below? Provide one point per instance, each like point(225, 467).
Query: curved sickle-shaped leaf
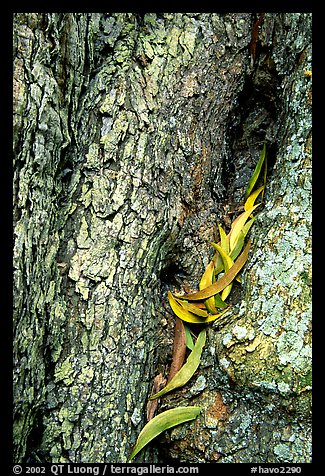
point(218, 263)
point(187, 316)
point(193, 309)
point(162, 422)
point(239, 242)
point(207, 276)
point(238, 225)
point(189, 339)
point(228, 263)
point(251, 199)
point(206, 280)
point(188, 369)
point(183, 313)
point(222, 282)
point(224, 239)
point(179, 349)
point(256, 173)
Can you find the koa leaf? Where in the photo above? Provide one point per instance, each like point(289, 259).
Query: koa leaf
point(207, 279)
point(179, 349)
point(238, 225)
point(188, 369)
point(256, 173)
point(180, 309)
point(189, 338)
point(193, 309)
point(152, 405)
point(219, 285)
point(251, 199)
point(162, 422)
point(228, 263)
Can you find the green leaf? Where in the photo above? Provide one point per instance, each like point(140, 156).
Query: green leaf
point(247, 226)
point(162, 422)
point(240, 240)
point(238, 244)
point(188, 369)
point(206, 280)
point(219, 302)
point(265, 174)
point(222, 282)
point(189, 338)
point(238, 225)
point(256, 173)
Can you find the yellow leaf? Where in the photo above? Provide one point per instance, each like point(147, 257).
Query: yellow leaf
point(192, 308)
point(228, 263)
point(238, 224)
point(207, 276)
point(207, 280)
point(239, 242)
point(218, 263)
point(187, 316)
point(224, 243)
point(256, 173)
point(224, 239)
point(251, 199)
point(227, 260)
point(219, 285)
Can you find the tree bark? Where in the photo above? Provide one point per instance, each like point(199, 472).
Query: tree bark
point(134, 135)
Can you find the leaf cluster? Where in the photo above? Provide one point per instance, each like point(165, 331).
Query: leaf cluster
point(207, 304)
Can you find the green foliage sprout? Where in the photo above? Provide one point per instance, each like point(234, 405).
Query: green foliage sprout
point(207, 304)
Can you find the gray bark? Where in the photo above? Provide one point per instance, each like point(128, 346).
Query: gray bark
point(133, 137)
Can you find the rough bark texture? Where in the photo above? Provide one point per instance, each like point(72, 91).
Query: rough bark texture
point(133, 137)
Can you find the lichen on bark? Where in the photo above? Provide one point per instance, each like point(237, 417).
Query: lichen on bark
point(266, 349)
point(132, 136)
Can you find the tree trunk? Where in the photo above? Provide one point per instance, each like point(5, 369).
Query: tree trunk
point(133, 137)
